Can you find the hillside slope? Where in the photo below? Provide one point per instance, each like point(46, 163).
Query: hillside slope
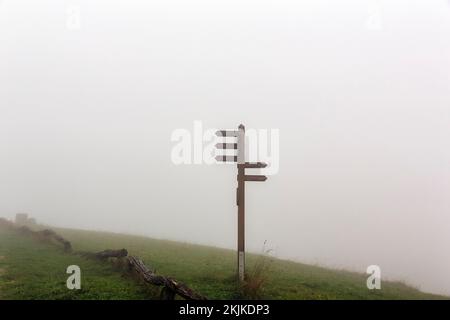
point(35, 270)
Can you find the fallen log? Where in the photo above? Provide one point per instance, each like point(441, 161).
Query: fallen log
point(103, 255)
point(50, 234)
point(170, 286)
point(167, 294)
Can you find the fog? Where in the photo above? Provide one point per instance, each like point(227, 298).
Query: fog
point(91, 92)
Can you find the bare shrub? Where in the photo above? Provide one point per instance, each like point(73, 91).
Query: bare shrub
point(257, 276)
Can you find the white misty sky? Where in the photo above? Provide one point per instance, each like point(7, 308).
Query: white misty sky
point(360, 91)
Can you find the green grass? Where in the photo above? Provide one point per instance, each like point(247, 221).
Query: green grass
point(34, 270)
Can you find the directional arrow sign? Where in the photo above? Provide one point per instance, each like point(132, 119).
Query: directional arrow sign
point(255, 165)
point(227, 133)
point(226, 158)
point(226, 146)
point(255, 178)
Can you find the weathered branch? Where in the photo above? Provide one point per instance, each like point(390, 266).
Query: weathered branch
point(171, 286)
point(50, 234)
point(111, 254)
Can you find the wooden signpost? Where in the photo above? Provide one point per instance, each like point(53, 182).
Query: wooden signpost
point(239, 158)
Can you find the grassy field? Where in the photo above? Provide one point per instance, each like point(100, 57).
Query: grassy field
point(36, 270)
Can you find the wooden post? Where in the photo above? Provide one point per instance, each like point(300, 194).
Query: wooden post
point(241, 202)
point(240, 191)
